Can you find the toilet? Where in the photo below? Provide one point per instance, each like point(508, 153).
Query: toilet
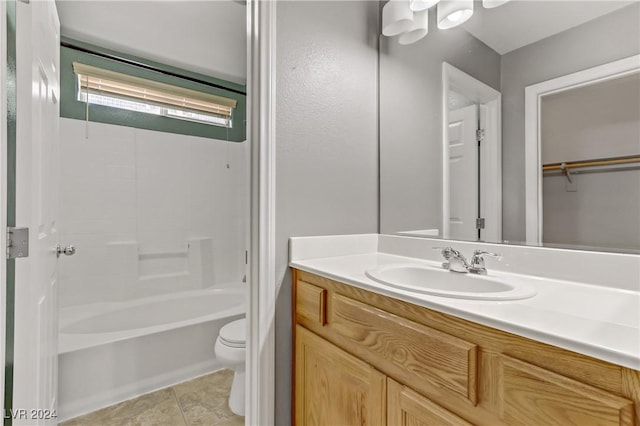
point(230, 350)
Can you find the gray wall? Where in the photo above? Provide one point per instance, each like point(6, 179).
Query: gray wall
point(326, 139)
point(609, 38)
point(602, 213)
point(600, 120)
point(411, 117)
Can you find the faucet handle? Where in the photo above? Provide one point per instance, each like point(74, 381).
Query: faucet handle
point(477, 261)
point(447, 252)
point(480, 253)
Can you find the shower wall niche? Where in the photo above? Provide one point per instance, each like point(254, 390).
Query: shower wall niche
point(149, 212)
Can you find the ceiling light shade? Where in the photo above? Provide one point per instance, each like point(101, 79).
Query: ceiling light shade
point(452, 13)
point(418, 5)
point(419, 28)
point(397, 17)
point(490, 4)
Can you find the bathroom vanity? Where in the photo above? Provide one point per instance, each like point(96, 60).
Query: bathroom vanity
point(366, 353)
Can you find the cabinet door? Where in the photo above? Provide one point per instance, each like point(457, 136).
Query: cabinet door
point(334, 388)
point(408, 408)
point(534, 396)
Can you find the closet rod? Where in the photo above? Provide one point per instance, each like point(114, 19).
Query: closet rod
point(591, 163)
point(149, 67)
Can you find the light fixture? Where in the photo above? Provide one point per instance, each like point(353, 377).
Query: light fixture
point(452, 13)
point(418, 5)
point(490, 4)
point(397, 17)
point(419, 28)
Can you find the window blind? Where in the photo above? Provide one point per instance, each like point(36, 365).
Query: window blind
point(98, 80)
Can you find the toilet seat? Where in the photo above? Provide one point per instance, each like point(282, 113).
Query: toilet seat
point(234, 334)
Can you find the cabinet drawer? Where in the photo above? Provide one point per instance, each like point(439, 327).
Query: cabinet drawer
point(411, 352)
point(408, 408)
point(535, 396)
point(311, 303)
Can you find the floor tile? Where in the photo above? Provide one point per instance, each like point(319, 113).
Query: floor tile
point(198, 402)
point(158, 408)
point(233, 421)
point(204, 400)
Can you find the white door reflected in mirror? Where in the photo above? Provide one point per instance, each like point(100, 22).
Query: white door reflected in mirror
point(471, 170)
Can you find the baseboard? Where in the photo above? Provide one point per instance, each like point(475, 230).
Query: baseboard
point(123, 393)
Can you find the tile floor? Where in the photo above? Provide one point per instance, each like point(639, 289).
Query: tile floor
point(202, 401)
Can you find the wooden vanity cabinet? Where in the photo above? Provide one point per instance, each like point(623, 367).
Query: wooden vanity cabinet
point(361, 358)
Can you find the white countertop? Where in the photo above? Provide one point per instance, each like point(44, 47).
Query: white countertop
point(598, 321)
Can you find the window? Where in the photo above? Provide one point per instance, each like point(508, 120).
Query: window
point(108, 88)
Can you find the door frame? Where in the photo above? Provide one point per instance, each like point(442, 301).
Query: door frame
point(260, 363)
point(533, 154)
point(490, 101)
point(261, 119)
point(3, 188)
point(261, 347)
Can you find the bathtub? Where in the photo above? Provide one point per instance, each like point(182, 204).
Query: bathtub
point(110, 352)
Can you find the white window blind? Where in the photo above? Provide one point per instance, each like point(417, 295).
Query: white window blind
point(124, 91)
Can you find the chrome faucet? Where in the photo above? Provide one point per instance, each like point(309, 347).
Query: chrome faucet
point(477, 261)
point(456, 262)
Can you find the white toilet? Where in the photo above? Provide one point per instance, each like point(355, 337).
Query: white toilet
point(230, 351)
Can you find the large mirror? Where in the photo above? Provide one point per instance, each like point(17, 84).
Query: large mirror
point(520, 125)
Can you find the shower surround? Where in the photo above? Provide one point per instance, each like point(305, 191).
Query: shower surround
point(149, 212)
point(158, 219)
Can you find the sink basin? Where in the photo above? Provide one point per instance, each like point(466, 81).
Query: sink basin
point(441, 282)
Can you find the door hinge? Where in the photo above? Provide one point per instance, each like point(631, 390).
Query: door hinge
point(17, 242)
point(480, 133)
point(480, 223)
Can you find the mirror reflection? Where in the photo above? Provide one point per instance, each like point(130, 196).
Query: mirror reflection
point(520, 125)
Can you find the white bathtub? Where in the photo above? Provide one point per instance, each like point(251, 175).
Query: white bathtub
point(110, 352)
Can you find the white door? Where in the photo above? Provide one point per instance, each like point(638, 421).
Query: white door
point(463, 174)
point(38, 94)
